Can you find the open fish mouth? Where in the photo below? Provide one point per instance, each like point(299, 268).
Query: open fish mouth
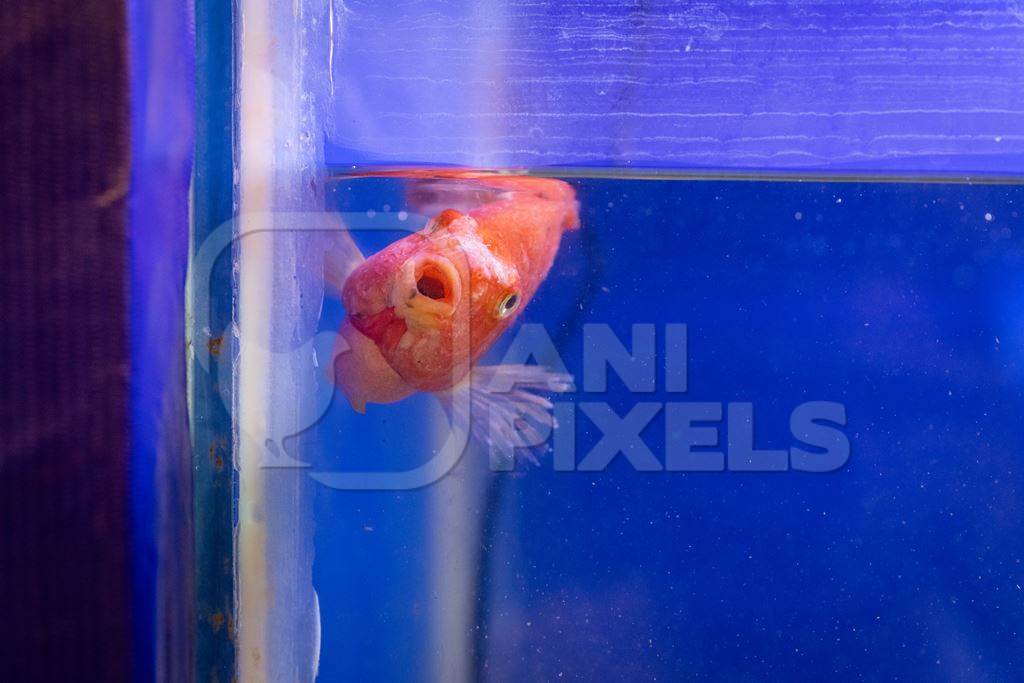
point(426, 290)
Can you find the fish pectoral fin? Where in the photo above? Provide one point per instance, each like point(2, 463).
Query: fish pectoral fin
point(341, 257)
point(508, 411)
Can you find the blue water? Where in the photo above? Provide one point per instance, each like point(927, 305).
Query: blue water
point(904, 302)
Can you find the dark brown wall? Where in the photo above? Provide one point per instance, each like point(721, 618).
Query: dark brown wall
point(64, 571)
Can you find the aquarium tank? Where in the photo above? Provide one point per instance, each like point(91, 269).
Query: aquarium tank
point(604, 341)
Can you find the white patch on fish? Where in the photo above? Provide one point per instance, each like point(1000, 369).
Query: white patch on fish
point(480, 255)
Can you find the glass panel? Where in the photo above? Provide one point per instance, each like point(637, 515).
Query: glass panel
point(882, 87)
point(788, 444)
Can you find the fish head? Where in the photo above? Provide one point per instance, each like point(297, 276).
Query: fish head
point(422, 310)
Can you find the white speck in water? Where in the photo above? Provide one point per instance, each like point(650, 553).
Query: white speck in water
point(371, 213)
point(798, 215)
point(402, 215)
point(999, 138)
point(989, 217)
point(839, 200)
point(611, 204)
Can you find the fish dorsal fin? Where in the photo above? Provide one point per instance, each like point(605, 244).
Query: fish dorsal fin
point(509, 412)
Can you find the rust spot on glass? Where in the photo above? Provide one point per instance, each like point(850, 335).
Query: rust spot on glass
point(214, 345)
point(217, 621)
point(217, 450)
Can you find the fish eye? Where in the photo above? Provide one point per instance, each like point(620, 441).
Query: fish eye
point(508, 304)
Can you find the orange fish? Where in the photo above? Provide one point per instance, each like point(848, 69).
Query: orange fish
point(422, 311)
